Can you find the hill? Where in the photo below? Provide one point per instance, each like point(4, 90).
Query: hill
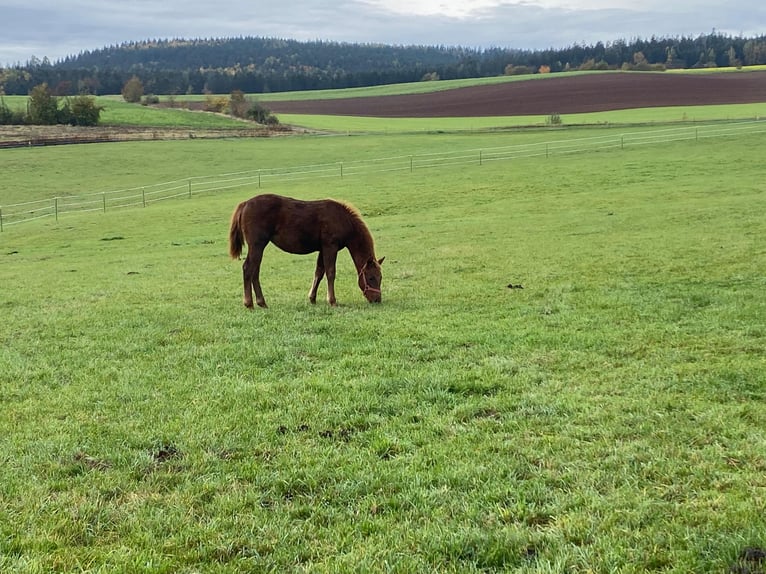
point(264, 65)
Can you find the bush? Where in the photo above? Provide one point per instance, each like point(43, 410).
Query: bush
point(216, 104)
point(133, 90)
point(83, 111)
point(262, 115)
point(150, 99)
point(43, 106)
point(553, 120)
point(238, 104)
point(511, 70)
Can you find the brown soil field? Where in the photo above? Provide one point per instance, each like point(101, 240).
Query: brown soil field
point(545, 96)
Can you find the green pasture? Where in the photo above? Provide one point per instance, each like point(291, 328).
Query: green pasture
point(643, 116)
point(604, 415)
point(77, 171)
point(117, 112)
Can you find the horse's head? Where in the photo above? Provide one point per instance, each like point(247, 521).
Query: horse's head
point(370, 278)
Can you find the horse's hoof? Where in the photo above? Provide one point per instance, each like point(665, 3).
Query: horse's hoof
point(249, 305)
point(262, 304)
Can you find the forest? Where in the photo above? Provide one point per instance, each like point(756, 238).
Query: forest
point(263, 65)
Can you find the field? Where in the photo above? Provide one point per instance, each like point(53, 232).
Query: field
point(559, 93)
point(566, 373)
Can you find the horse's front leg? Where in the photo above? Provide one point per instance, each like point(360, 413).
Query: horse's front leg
point(251, 270)
point(329, 257)
point(318, 274)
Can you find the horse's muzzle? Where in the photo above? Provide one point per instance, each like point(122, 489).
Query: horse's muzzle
point(372, 295)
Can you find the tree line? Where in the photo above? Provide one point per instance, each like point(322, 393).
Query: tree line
point(263, 65)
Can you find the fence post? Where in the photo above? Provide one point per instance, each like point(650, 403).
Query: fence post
point(259, 179)
point(56, 207)
point(411, 164)
point(341, 170)
point(1, 219)
point(189, 189)
point(546, 151)
point(480, 157)
point(104, 202)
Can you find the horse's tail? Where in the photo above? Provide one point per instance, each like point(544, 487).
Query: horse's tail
point(235, 232)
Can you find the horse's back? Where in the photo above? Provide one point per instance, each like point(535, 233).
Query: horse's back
point(295, 225)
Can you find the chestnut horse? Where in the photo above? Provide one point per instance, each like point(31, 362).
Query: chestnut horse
point(303, 227)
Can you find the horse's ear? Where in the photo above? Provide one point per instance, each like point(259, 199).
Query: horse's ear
point(380, 261)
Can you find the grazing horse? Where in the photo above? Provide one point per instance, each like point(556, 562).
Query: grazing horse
point(302, 227)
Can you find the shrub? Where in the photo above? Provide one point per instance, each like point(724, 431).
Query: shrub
point(43, 106)
point(238, 104)
point(133, 90)
point(553, 120)
point(216, 104)
point(150, 99)
point(262, 115)
point(511, 70)
point(83, 111)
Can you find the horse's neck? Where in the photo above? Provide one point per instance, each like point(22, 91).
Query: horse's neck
point(361, 248)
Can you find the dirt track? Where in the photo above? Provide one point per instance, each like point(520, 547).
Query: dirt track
point(544, 96)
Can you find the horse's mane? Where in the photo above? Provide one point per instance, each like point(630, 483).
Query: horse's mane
point(359, 224)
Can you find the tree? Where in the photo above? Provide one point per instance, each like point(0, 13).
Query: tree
point(673, 61)
point(84, 111)
point(640, 62)
point(238, 104)
point(42, 108)
point(734, 62)
point(133, 90)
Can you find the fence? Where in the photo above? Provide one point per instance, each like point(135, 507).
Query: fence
point(145, 195)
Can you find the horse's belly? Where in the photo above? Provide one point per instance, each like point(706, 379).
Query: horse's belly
point(300, 244)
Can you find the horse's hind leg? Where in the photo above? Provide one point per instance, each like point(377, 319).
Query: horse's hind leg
point(329, 257)
point(318, 274)
point(248, 291)
point(251, 270)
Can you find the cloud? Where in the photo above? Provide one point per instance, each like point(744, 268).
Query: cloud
point(55, 29)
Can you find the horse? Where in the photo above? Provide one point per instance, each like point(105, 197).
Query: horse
point(303, 227)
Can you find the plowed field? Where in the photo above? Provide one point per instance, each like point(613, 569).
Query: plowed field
point(543, 96)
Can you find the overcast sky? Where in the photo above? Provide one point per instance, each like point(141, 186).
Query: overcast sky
point(57, 28)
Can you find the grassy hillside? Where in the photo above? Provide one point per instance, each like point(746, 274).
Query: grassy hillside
point(605, 417)
point(686, 115)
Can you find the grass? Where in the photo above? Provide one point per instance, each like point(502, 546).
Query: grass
point(605, 418)
point(120, 113)
point(66, 172)
point(673, 115)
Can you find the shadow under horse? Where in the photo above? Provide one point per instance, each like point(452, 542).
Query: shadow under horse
point(303, 227)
